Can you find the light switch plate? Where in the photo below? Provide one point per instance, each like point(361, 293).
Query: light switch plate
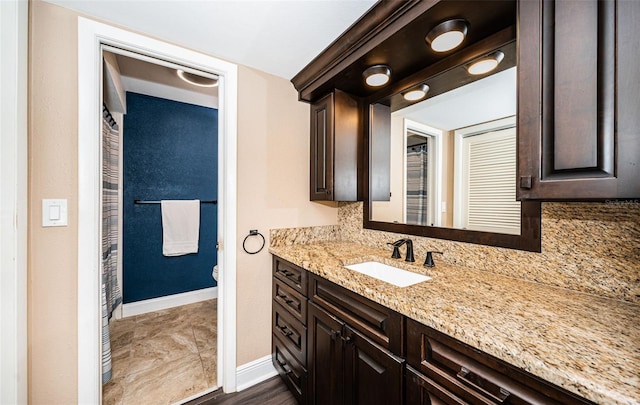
point(54, 212)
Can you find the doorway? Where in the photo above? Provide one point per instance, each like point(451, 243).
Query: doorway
point(160, 144)
point(91, 37)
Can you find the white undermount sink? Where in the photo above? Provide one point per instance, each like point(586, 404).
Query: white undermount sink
point(388, 274)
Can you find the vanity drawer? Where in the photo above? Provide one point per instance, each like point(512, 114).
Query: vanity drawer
point(420, 390)
point(383, 325)
point(291, 332)
point(291, 371)
point(474, 376)
point(292, 275)
point(290, 299)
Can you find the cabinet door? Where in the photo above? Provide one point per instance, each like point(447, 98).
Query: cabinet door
point(325, 358)
point(579, 91)
point(373, 375)
point(322, 120)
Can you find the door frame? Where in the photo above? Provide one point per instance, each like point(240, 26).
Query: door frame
point(91, 36)
point(13, 201)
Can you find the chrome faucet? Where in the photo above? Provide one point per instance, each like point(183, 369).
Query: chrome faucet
point(396, 249)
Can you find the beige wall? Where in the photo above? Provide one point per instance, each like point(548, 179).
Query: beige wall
point(52, 252)
point(272, 192)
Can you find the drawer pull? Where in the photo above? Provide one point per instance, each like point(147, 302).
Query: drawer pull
point(284, 331)
point(284, 366)
point(284, 298)
point(289, 274)
point(469, 378)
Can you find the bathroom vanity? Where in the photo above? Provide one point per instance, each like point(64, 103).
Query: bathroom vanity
point(464, 336)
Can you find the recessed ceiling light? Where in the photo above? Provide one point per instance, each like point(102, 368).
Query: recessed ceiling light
point(447, 35)
point(416, 93)
point(377, 75)
point(197, 80)
point(485, 64)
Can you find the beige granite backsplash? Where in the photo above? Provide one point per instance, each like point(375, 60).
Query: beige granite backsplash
point(304, 236)
point(587, 247)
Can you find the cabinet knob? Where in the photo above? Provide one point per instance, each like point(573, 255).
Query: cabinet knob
point(346, 339)
point(525, 182)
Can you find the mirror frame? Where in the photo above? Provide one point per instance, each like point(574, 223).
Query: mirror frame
point(530, 221)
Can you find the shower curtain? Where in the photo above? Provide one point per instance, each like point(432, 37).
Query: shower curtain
point(111, 295)
point(417, 185)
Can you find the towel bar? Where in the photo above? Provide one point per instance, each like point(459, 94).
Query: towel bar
point(158, 202)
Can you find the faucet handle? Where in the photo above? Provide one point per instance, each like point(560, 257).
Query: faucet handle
point(396, 248)
point(396, 251)
point(429, 260)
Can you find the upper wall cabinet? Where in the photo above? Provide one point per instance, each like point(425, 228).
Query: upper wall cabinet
point(334, 148)
point(579, 95)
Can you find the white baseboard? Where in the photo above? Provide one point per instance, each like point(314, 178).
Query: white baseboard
point(169, 301)
point(252, 373)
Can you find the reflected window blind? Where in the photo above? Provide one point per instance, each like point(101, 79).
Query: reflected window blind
point(491, 183)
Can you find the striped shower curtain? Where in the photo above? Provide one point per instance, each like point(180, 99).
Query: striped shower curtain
point(417, 185)
point(111, 295)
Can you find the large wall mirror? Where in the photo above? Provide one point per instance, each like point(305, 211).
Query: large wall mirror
point(445, 165)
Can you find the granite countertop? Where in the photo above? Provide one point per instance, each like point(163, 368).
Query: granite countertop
point(583, 343)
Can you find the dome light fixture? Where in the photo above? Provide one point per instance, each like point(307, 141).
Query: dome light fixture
point(416, 93)
point(447, 35)
point(485, 64)
point(197, 80)
point(377, 75)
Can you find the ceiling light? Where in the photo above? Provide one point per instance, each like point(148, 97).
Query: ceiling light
point(377, 75)
point(197, 80)
point(416, 93)
point(447, 35)
point(485, 64)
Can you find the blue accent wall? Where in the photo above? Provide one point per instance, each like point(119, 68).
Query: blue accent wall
point(170, 152)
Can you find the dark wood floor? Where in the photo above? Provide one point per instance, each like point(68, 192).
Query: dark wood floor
point(270, 392)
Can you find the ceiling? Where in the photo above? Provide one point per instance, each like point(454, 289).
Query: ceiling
point(484, 100)
point(162, 81)
point(275, 36)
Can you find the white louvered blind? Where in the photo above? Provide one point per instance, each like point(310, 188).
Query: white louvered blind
point(490, 182)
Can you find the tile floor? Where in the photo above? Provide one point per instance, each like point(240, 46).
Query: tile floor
point(162, 357)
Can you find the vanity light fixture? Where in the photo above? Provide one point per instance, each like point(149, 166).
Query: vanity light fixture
point(447, 35)
point(416, 93)
point(377, 75)
point(197, 80)
point(485, 64)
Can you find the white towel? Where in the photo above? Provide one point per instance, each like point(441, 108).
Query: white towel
point(180, 227)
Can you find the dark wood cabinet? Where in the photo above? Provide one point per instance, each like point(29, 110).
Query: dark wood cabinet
point(377, 322)
point(372, 374)
point(350, 357)
point(346, 367)
point(579, 93)
point(332, 346)
point(420, 390)
point(446, 370)
point(325, 358)
point(289, 326)
point(334, 148)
